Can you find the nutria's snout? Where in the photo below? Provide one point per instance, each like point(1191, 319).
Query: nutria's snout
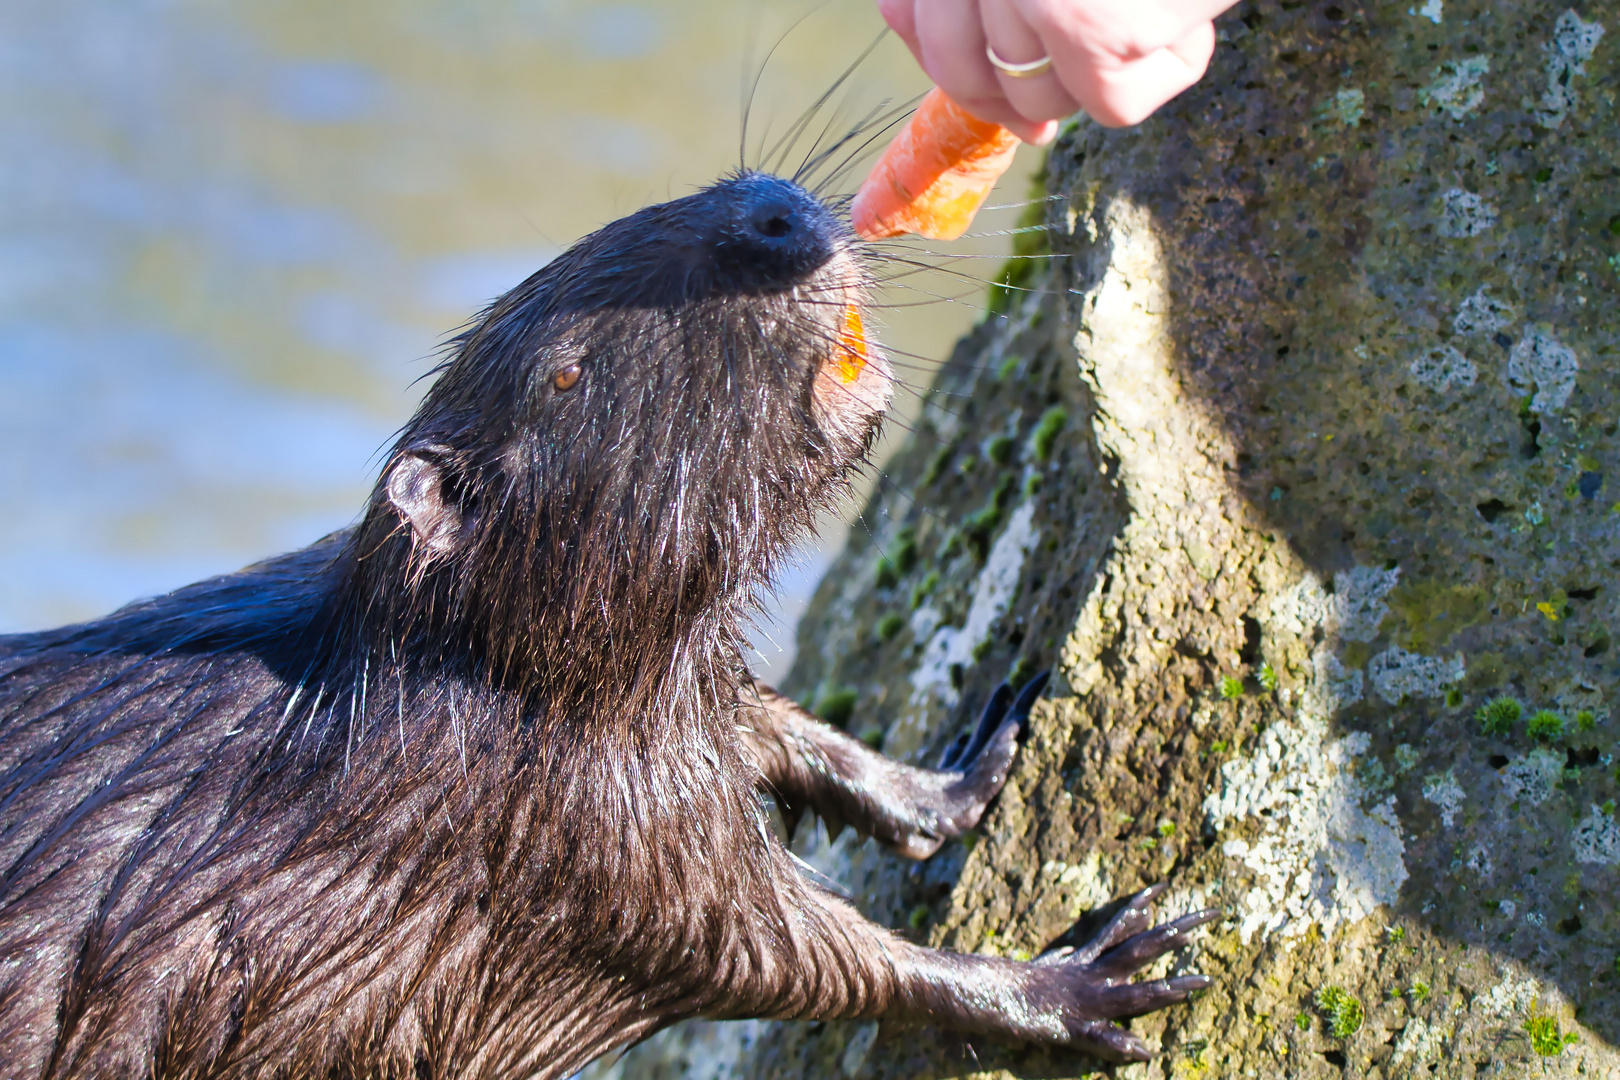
point(772, 233)
point(780, 237)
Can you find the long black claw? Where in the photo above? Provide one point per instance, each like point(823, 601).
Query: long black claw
point(989, 720)
point(1027, 697)
point(1135, 999)
point(1148, 945)
point(1128, 920)
point(1111, 1043)
point(1001, 707)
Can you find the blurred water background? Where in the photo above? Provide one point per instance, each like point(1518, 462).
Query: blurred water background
point(233, 234)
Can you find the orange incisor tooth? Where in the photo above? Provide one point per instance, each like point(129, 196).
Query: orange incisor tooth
point(850, 355)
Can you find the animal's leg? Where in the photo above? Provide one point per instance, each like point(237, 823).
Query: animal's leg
point(810, 764)
point(844, 967)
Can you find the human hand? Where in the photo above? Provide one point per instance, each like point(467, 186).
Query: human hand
point(1119, 60)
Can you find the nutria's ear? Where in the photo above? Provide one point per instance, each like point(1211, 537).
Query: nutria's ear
point(420, 491)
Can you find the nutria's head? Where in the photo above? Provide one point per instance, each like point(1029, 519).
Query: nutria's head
point(627, 440)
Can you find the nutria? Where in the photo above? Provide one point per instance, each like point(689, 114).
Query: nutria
point(474, 788)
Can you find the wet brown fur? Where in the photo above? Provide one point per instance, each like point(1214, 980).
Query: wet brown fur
point(473, 788)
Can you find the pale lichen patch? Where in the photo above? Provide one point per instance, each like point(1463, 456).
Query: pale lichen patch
point(1352, 611)
point(924, 621)
point(1346, 107)
point(1433, 10)
point(1443, 368)
point(993, 591)
point(1464, 214)
point(1482, 314)
point(1540, 360)
point(1597, 839)
point(1509, 997)
point(1531, 779)
point(1572, 45)
point(1455, 87)
point(1443, 790)
point(1396, 674)
point(1319, 857)
point(1421, 1041)
point(853, 1058)
point(1331, 687)
point(1084, 886)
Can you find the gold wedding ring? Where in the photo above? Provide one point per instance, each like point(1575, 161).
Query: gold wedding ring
point(1018, 71)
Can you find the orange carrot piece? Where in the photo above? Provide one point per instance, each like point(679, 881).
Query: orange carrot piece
point(850, 357)
point(935, 174)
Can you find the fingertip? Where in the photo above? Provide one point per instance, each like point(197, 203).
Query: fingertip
point(1025, 130)
point(1044, 134)
point(1115, 115)
point(1195, 48)
point(901, 15)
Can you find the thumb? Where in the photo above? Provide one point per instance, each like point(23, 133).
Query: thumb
point(901, 15)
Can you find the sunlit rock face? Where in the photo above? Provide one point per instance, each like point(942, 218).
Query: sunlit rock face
point(1336, 481)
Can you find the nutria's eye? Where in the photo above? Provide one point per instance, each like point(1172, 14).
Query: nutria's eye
point(567, 377)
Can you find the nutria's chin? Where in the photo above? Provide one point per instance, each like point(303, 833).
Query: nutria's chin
point(473, 788)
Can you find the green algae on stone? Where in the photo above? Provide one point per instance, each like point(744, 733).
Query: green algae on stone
point(1545, 1037)
point(900, 560)
point(921, 590)
point(836, 705)
point(1545, 725)
point(1342, 1011)
point(1497, 716)
point(1047, 429)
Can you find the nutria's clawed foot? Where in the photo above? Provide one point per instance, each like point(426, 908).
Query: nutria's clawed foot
point(1088, 987)
point(973, 771)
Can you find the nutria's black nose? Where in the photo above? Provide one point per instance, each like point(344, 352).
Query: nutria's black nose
point(777, 233)
point(775, 222)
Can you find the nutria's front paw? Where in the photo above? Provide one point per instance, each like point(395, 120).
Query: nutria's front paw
point(1084, 990)
point(971, 773)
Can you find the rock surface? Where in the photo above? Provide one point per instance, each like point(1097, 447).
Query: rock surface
point(1301, 454)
